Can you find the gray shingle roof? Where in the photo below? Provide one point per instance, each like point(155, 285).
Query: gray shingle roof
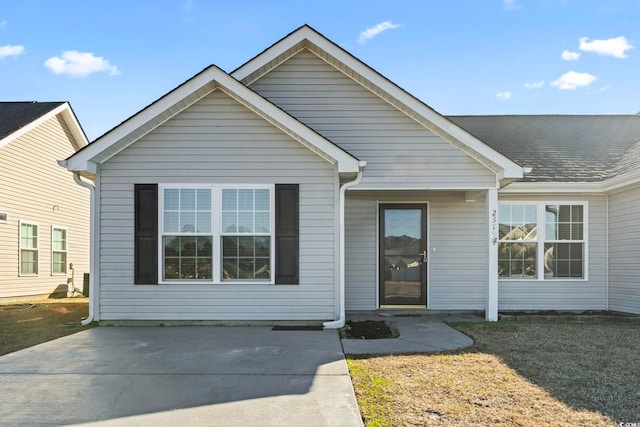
point(564, 148)
point(16, 115)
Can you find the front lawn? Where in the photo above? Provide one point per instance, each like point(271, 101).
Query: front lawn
point(25, 324)
point(517, 373)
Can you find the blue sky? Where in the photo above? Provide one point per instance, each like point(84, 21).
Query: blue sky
point(112, 58)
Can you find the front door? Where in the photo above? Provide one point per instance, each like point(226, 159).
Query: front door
point(403, 255)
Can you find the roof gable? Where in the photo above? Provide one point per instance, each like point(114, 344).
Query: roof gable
point(306, 37)
point(18, 118)
point(210, 79)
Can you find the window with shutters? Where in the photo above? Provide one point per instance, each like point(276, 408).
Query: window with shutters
point(216, 233)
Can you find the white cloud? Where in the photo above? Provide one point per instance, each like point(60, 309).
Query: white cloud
point(616, 47)
point(9, 50)
point(370, 33)
point(568, 55)
point(573, 80)
point(503, 96)
point(511, 4)
point(535, 85)
point(79, 64)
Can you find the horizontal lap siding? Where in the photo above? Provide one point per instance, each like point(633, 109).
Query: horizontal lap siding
point(31, 184)
point(624, 251)
point(218, 141)
point(457, 231)
point(399, 151)
point(563, 294)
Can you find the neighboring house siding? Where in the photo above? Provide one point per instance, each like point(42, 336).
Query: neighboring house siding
point(218, 140)
point(457, 231)
point(35, 188)
point(400, 153)
point(564, 294)
point(624, 251)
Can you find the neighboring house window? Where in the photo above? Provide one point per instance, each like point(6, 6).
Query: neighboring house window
point(58, 250)
point(28, 249)
point(558, 251)
point(216, 233)
point(4, 217)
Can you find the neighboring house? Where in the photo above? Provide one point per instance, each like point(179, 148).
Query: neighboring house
point(44, 214)
point(304, 184)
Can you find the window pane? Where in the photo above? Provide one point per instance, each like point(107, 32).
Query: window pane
point(577, 231)
point(28, 262)
point(229, 200)
point(187, 199)
point(229, 222)
point(171, 199)
point(245, 200)
point(59, 239)
point(203, 220)
point(246, 257)
point(187, 257)
point(262, 200)
point(577, 213)
point(204, 199)
point(59, 263)
point(563, 260)
point(171, 222)
point(245, 222)
point(517, 260)
point(262, 222)
point(518, 222)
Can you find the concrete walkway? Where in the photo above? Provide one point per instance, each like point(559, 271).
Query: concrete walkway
point(420, 333)
point(169, 376)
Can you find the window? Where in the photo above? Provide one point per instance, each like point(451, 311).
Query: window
point(558, 252)
point(28, 249)
point(58, 250)
point(216, 234)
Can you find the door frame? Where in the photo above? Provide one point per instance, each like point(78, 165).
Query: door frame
point(379, 205)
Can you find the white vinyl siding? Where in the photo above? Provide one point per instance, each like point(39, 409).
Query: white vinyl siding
point(588, 293)
point(457, 230)
point(220, 142)
point(400, 153)
point(624, 251)
point(28, 166)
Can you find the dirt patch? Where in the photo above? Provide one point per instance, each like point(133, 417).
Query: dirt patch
point(368, 330)
point(23, 325)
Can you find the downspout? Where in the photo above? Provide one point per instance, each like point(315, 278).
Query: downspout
point(339, 323)
point(92, 229)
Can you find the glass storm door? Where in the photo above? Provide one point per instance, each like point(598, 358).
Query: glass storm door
point(403, 255)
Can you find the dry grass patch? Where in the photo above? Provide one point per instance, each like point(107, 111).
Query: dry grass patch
point(522, 374)
point(26, 324)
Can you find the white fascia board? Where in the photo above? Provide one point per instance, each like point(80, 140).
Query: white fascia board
point(622, 182)
point(84, 159)
point(68, 116)
point(552, 187)
point(506, 167)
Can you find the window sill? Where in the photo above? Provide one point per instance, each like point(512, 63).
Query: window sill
point(228, 282)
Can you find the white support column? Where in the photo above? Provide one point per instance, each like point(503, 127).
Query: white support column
point(491, 311)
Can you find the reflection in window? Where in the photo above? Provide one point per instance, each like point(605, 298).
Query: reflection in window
point(518, 233)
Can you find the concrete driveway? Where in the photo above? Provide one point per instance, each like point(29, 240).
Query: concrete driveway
point(172, 376)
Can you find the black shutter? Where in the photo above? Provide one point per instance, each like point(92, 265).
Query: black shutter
point(146, 234)
point(287, 234)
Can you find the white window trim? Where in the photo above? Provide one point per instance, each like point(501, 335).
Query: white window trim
point(540, 241)
point(4, 217)
point(20, 248)
point(66, 251)
point(216, 234)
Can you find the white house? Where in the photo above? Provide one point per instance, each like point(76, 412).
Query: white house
point(304, 184)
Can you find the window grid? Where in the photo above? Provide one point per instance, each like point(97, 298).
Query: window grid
point(560, 252)
point(202, 223)
point(28, 249)
point(58, 250)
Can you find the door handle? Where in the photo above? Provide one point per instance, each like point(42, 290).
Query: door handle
point(424, 255)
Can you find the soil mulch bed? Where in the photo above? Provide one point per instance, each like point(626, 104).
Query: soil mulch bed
point(367, 330)
point(23, 325)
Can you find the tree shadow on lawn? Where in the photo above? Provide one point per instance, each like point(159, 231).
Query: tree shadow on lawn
point(592, 366)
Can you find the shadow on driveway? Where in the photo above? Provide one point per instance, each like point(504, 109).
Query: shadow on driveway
point(200, 375)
